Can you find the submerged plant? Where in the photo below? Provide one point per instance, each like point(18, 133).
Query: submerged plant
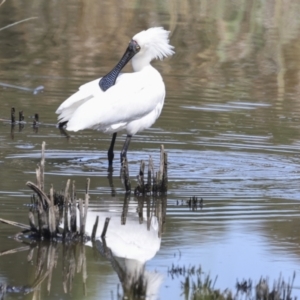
point(200, 286)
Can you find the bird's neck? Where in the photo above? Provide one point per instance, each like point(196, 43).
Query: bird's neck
point(140, 62)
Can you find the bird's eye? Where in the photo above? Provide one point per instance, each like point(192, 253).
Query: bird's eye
point(138, 47)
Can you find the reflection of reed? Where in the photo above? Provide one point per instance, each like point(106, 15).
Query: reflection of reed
point(155, 207)
point(125, 209)
point(46, 261)
point(71, 266)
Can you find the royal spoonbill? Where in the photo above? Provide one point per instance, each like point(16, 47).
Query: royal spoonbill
point(130, 101)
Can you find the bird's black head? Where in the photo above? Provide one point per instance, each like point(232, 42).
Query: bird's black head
point(133, 47)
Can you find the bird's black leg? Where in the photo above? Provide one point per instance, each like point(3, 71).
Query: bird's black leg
point(111, 181)
point(125, 147)
point(110, 152)
point(62, 124)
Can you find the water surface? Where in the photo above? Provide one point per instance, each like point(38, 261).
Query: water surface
point(230, 125)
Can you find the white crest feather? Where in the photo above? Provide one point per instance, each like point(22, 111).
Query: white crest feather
point(156, 40)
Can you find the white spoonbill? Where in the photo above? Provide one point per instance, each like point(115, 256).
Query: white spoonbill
point(130, 101)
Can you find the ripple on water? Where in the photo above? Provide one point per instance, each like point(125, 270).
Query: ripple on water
point(229, 106)
point(25, 146)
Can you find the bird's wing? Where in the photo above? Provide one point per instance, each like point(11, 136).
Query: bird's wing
point(87, 90)
point(133, 96)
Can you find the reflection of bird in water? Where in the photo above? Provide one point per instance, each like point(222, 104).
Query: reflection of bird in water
point(137, 282)
point(130, 101)
point(131, 240)
point(128, 247)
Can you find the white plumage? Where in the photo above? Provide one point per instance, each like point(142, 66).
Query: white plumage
point(133, 103)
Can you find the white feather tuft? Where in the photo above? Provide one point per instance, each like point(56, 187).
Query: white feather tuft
point(156, 41)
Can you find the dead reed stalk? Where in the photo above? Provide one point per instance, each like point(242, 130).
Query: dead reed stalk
point(156, 183)
point(55, 209)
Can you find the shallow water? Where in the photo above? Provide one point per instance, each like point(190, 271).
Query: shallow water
point(230, 126)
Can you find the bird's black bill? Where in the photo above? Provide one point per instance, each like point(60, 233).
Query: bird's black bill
point(109, 79)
